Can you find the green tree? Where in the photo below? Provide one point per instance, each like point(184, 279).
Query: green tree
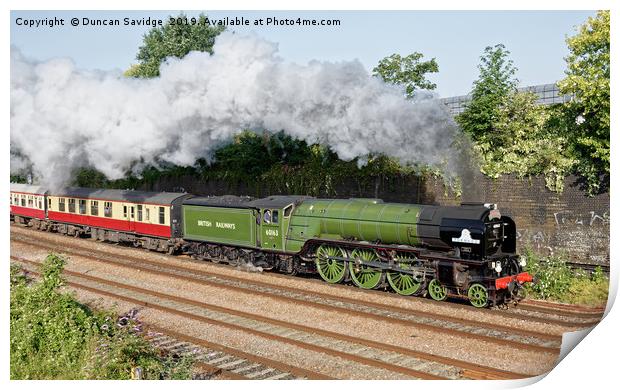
point(587, 80)
point(409, 71)
point(522, 143)
point(173, 40)
point(494, 84)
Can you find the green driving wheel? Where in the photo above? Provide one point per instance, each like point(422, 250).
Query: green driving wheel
point(330, 269)
point(403, 283)
point(478, 295)
point(364, 276)
point(437, 291)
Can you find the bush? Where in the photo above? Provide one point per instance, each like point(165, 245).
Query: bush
point(558, 282)
point(53, 336)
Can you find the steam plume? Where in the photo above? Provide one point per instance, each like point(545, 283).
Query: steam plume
point(63, 118)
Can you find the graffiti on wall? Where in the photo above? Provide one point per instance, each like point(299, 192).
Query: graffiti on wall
point(581, 236)
point(567, 217)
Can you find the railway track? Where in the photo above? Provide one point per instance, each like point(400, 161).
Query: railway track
point(365, 352)
point(495, 333)
point(562, 315)
point(223, 361)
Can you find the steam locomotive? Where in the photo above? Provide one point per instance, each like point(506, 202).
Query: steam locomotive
point(467, 251)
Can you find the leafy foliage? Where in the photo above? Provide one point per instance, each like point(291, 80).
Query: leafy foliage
point(588, 123)
point(173, 40)
point(522, 143)
point(250, 155)
point(558, 282)
point(408, 71)
point(490, 91)
point(53, 336)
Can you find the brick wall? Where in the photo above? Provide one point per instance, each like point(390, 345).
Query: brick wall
point(546, 221)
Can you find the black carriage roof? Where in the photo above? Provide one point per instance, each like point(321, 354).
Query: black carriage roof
point(163, 198)
point(246, 202)
point(220, 201)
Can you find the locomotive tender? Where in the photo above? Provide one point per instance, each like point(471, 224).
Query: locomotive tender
point(467, 251)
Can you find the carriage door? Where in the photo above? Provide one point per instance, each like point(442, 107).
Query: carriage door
point(129, 213)
point(270, 230)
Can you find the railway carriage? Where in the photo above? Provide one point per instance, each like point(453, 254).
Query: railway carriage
point(148, 219)
point(27, 202)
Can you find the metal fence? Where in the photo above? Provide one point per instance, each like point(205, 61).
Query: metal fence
point(547, 94)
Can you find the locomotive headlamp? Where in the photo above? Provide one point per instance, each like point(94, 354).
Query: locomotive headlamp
point(498, 266)
point(522, 261)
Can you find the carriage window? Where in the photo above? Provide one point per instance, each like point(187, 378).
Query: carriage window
point(30, 201)
point(61, 204)
point(162, 216)
point(40, 203)
point(139, 212)
point(72, 205)
point(94, 207)
point(107, 209)
point(275, 216)
point(124, 211)
point(133, 212)
point(23, 198)
point(82, 206)
point(49, 203)
point(148, 214)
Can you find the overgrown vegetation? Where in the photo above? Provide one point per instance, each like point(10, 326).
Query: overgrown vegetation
point(558, 282)
point(53, 336)
point(514, 135)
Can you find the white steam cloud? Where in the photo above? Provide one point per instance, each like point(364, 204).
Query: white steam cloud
point(63, 118)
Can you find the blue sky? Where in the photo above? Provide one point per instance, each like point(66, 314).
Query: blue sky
point(456, 39)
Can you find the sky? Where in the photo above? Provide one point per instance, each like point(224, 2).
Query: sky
point(456, 39)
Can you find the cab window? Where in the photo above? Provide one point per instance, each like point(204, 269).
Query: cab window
point(287, 211)
point(267, 216)
point(274, 219)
